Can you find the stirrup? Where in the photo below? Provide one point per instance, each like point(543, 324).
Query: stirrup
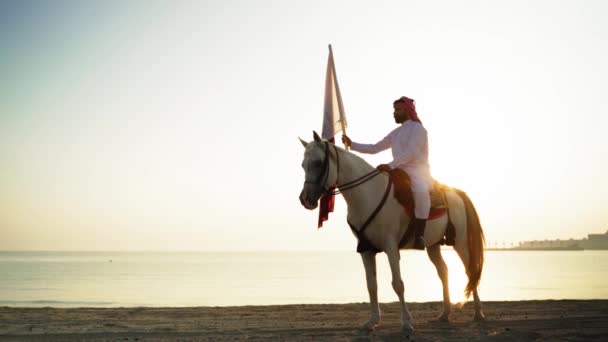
point(419, 243)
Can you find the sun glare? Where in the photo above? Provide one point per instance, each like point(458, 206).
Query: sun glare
point(457, 276)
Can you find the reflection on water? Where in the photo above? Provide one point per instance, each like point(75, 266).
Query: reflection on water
point(209, 279)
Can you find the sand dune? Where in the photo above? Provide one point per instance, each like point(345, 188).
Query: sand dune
point(576, 320)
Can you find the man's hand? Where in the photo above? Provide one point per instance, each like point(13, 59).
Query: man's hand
point(383, 168)
point(346, 140)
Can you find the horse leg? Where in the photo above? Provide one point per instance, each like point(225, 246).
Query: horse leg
point(434, 253)
point(479, 316)
point(463, 253)
point(406, 317)
point(369, 262)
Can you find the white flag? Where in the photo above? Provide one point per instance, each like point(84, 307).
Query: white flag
point(334, 119)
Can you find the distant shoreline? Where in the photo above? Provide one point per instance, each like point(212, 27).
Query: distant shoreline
point(269, 251)
point(542, 249)
point(506, 320)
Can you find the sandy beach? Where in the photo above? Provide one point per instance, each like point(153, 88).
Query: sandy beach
point(547, 320)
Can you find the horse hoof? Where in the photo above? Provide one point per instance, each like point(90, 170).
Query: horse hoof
point(479, 316)
point(408, 332)
point(444, 318)
point(407, 329)
point(371, 325)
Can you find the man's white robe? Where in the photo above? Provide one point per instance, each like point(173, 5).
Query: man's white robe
point(410, 148)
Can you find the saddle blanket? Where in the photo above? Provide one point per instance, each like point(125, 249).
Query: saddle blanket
point(403, 194)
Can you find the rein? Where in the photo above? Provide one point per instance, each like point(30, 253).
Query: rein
point(355, 183)
point(321, 180)
point(352, 184)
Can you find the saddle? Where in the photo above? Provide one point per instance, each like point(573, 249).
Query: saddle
point(403, 194)
point(439, 204)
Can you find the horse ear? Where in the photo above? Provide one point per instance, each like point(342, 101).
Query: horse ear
point(317, 137)
point(304, 143)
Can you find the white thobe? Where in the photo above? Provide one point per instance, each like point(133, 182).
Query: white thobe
point(410, 148)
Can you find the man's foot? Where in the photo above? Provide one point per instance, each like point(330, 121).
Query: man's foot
point(419, 243)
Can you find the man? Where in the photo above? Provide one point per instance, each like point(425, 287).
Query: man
point(409, 144)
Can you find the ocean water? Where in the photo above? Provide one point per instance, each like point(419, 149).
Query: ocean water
point(119, 279)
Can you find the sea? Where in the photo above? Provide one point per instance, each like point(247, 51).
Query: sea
point(178, 279)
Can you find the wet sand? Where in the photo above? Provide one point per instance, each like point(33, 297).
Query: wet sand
point(546, 320)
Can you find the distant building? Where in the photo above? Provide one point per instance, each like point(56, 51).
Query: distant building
point(593, 241)
point(596, 241)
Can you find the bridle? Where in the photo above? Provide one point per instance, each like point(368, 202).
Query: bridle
point(321, 180)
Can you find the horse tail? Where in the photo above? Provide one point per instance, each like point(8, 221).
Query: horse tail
point(475, 243)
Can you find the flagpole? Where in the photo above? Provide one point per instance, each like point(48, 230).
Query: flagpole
point(342, 124)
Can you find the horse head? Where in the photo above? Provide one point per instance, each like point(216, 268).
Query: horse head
point(317, 171)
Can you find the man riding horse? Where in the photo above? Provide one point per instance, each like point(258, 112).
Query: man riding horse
point(409, 145)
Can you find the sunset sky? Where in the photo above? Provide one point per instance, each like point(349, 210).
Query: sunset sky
point(160, 125)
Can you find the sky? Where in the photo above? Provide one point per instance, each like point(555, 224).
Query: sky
point(162, 125)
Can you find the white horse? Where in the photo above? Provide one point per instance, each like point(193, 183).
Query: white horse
point(327, 165)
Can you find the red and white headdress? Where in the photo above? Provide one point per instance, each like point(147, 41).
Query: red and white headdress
point(410, 107)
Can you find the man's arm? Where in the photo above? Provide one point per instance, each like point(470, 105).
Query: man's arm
point(372, 148)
